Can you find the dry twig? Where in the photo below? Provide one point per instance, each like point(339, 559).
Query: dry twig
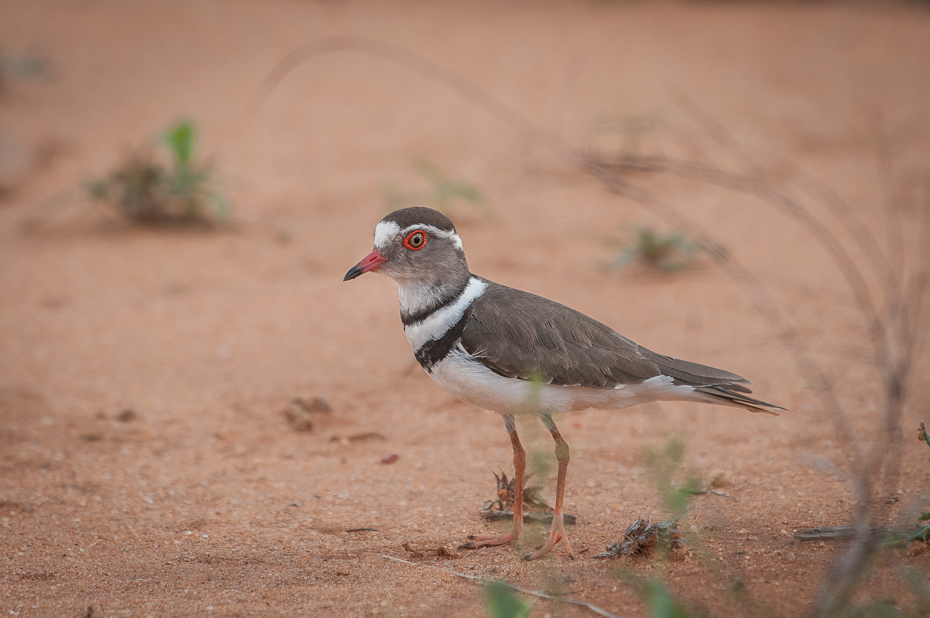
point(642, 536)
point(485, 580)
point(506, 490)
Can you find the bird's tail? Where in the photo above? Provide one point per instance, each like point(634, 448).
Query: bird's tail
point(713, 385)
point(723, 394)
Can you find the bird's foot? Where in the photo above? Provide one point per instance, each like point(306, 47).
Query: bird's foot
point(557, 536)
point(477, 542)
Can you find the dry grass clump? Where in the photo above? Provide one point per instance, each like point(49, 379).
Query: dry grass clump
point(148, 191)
point(666, 252)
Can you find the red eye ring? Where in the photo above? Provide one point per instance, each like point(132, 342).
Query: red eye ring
point(415, 240)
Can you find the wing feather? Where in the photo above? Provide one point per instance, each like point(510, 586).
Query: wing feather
point(521, 335)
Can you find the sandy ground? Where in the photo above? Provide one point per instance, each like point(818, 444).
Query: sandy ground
point(205, 501)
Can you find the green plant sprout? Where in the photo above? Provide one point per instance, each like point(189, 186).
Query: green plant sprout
point(664, 252)
point(444, 194)
point(661, 602)
point(501, 602)
point(921, 531)
point(662, 466)
point(147, 191)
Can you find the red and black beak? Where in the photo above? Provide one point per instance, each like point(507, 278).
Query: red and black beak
point(372, 261)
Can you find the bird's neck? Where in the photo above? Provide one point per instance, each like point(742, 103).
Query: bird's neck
point(421, 296)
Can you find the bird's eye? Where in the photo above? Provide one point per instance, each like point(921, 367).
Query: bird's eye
point(415, 240)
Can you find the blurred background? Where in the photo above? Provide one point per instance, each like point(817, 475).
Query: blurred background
point(197, 414)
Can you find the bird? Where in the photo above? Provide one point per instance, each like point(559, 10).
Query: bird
point(516, 353)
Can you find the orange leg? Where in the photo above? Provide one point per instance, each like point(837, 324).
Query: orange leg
point(557, 534)
point(519, 470)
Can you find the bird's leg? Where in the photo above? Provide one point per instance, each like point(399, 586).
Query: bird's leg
point(557, 534)
point(519, 470)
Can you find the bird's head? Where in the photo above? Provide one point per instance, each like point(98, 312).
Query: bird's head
point(415, 245)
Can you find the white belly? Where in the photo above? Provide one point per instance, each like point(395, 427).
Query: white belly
point(474, 383)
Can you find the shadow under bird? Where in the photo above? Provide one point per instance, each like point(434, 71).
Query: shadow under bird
point(512, 352)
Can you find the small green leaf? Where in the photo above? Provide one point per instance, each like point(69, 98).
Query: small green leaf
point(503, 603)
point(918, 584)
point(665, 252)
point(180, 139)
point(661, 603)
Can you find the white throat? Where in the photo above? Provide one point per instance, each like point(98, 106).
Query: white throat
point(415, 295)
point(437, 323)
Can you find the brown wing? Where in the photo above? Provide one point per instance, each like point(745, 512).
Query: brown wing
point(521, 335)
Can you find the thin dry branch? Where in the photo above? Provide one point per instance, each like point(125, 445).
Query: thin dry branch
point(823, 533)
point(844, 215)
point(885, 164)
point(894, 328)
point(760, 298)
point(814, 188)
point(419, 64)
point(755, 184)
point(484, 580)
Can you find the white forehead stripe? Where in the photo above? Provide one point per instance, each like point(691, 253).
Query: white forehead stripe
point(436, 325)
point(387, 231)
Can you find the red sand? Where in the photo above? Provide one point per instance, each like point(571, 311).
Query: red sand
point(208, 503)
